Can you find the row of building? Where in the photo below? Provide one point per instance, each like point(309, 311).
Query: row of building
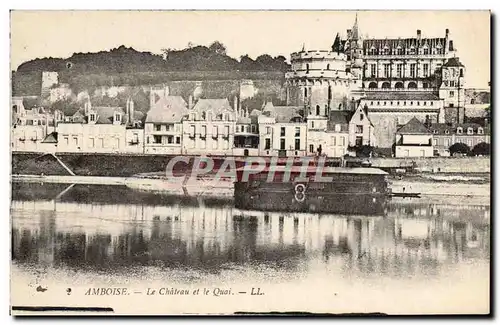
point(404, 95)
point(217, 127)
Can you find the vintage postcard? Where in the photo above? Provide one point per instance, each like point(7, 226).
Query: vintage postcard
point(250, 162)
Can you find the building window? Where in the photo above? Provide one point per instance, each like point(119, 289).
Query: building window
point(215, 131)
point(359, 129)
point(118, 117)
point(399, 70)
point(387, 70)
point(311, 148)
point(432, 103)
point(446, 132)
point(361, 116)
point(446, 142)
point(373, 68)
point(192, 131)
point(282, 133)
point(282, 144)
point(435, 142)
point(203, 131)
point(469, 142)
point(254, 128)
point(178, 140)
point(452, 93)
point(158, 127)
point(91, 143)
point(147, 140)
point(425, 103)
point(297, 144)
point(426, 69)
point(371, 103)
point(267, 144)
point(92, 117)
point(418, 103)
point(75, 140)
point(459, 130)
point(413, 70)
point(226, 130)
point(480, 131)
point(470, 131)
point(337, 127)
point(297, 132)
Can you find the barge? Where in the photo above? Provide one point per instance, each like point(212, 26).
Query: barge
point(337, 190)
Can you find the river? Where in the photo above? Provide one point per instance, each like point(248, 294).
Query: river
point(420, 257)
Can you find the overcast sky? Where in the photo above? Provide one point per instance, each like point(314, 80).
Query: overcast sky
point(38, 34)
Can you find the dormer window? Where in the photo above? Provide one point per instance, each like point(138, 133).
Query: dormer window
point(480, 131)
point(459, 130)
point(446, 132)
point(92, 117)
point(435, 131)
point(118, 117)
point(470, 131)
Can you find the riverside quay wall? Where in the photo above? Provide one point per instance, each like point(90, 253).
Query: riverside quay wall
point(127, 165)
point(438, 164)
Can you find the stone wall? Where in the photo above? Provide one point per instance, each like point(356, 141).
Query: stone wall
point(438, 164)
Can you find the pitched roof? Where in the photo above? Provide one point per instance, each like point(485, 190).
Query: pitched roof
point(444, 128)
point(340, 117)
point(286, 114)
point(403, 43)
point(217, 106)
point(414, 126)
point(453, 62)
point(169, 109)
point(50, 138)
point(400, 95)
point(105, 114)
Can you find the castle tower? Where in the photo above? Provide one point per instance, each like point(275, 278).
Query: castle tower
point(354, 50)
point(452, 91)
point(319, 80)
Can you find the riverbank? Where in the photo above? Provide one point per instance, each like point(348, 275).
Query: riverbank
point(208, 186)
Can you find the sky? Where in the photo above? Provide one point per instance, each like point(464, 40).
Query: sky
point(38, 34)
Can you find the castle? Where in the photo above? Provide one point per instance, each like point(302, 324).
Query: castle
point(393, 79)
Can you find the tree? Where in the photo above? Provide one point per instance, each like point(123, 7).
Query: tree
point(481, 148)
point(67, 106)
point(459, 148)
point(218, 48)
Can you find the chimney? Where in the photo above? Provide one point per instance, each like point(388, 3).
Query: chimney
point(130, 110)
point(447, 32)
point(151, 98)
point(419, 35)
point(235, 105)
point(190, 102)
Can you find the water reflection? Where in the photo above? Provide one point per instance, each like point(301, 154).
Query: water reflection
point(111, 228)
